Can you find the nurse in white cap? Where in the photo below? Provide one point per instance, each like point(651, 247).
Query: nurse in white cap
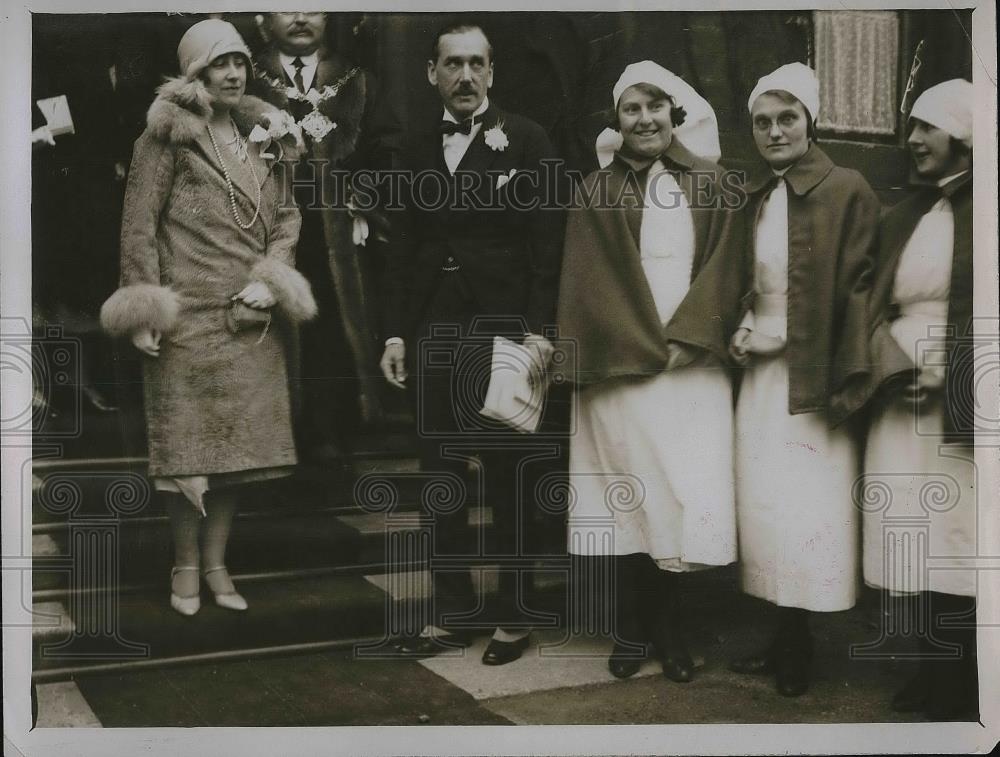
point(804, 344)
point(921, 496)
point(651, 463)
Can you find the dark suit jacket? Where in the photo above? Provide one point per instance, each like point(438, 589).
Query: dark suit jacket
point(506, 240)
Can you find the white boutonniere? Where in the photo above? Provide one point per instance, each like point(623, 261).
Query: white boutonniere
point(277, 125)
point(496, 138)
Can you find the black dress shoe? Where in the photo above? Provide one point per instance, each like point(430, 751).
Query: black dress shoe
point(913, 696)
point(501, 652)
point(952, 691)
point(791, 670)
point(674, 657)
point(761, 663)
point(428, 646)
point(625, 660)
point(941, 707)
point(678, 666)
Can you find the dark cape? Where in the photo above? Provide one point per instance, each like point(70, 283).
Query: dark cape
point(891, 365)
point(606, 308)
point(832, 238)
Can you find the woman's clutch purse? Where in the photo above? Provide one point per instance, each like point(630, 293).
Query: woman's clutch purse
point(240, 317)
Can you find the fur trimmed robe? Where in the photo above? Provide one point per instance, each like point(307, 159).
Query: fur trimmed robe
point(369, 132)
point(216, 402)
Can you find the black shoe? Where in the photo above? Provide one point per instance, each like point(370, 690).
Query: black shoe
point(952, 694)
point(791, 670)
point(761, 663)
point(428, 646)
point(913, 696)
point(501, 652)
point(678, 666)
point(625, 660)
point(941, 707)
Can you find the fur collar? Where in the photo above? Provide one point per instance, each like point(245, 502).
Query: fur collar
point(181, 110)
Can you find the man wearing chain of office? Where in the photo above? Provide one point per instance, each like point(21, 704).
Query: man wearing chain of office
point(346, 126)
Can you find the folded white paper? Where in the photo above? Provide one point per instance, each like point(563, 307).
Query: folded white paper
point(513, 397)
point(57, 115)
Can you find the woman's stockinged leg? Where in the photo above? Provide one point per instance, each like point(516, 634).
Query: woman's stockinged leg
point(185, 524)
point(670, 626)
point(220, 508)
point(787, 657)
point(628, 596)
point(793, 651)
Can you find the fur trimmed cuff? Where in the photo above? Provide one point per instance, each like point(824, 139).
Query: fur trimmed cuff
point(140, 306)
point(289, 287)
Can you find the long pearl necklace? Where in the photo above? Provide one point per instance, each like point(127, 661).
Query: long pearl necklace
point(238, 144)
point(229, 184)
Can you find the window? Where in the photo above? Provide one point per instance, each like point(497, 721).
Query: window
point(857, 61)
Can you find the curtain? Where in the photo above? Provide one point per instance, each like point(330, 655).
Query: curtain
point(857, 59)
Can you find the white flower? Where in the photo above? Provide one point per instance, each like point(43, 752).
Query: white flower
point(359, 233)
point(316, 125)
point(258, 134)
point(277, 124)
point(496, 139)
point(292, 93)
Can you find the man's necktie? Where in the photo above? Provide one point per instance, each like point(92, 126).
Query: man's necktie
point(450, 127)
point(297, 80)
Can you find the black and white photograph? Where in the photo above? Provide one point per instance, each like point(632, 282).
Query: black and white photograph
point(629, 374)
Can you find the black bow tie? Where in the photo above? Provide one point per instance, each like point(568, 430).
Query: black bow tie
point(450, 127)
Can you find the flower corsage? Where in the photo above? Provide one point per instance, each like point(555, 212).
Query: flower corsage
point(279, 128)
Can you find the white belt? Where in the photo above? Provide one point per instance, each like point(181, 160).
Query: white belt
point(937, 309)
point(771, 305)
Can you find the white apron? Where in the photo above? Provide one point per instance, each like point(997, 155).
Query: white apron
point(798, 533)
point(920, 494)
point(651, 461)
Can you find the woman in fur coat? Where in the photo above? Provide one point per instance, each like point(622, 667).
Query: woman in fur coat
point(208, 288)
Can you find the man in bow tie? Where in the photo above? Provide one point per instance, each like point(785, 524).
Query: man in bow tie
point(475, 255)
point(338, 250)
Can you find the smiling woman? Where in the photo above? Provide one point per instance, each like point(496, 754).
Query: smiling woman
point(645, 118)
point(649, 346)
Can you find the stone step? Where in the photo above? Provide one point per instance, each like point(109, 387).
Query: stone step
point(140, 553)
point(284, 615)
point(122, 489)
